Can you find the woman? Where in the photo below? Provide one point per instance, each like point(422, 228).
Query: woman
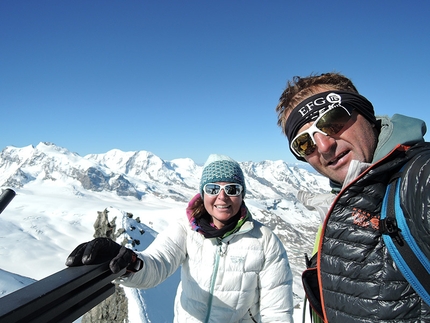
point(234, 269)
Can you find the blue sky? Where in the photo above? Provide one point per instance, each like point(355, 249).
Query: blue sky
point(191, 78)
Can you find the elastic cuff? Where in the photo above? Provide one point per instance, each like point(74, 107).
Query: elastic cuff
point(135, 265)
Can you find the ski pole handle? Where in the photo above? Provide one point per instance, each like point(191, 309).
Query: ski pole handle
point(6, 196)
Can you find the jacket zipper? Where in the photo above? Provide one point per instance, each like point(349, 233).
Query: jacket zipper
point(220, 252)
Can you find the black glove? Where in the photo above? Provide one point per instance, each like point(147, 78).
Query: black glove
point(101, 250)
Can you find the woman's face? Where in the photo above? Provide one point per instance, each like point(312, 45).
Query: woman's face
point(222, 207)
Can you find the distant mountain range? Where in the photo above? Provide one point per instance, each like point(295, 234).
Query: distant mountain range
point(140, 173)
point(53, 184)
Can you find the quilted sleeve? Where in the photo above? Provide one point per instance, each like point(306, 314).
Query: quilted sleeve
point(161, 259)
point(276, 301)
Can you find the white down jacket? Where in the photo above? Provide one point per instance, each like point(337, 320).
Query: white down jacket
point(244, 277)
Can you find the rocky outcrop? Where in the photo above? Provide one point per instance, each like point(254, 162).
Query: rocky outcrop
point(113, 309)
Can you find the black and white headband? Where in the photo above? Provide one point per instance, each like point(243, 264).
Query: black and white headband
point(308, 110)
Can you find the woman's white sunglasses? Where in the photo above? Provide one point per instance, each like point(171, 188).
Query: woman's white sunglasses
point(213, 189)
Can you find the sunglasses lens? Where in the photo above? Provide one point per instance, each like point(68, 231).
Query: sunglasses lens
point(233, 189)
point(333, 121)
point(212, 189)
point(304, 145)
point(229, 189)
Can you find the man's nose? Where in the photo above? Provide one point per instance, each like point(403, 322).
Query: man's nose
point(324, 142)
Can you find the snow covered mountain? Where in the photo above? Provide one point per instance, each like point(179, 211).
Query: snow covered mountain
point(60, 193)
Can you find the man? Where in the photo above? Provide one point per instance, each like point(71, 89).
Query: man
point(333, 128)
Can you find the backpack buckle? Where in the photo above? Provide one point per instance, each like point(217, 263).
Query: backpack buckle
point(389, 226)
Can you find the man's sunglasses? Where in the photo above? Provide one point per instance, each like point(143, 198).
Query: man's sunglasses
point(329, 123)
point(213, 189)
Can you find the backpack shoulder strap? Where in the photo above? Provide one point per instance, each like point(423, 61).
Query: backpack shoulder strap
point(409, 258)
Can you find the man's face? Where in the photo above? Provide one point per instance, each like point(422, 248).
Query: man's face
point(356, 141)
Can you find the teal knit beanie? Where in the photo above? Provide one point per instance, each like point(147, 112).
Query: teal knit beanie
point(220, 168)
